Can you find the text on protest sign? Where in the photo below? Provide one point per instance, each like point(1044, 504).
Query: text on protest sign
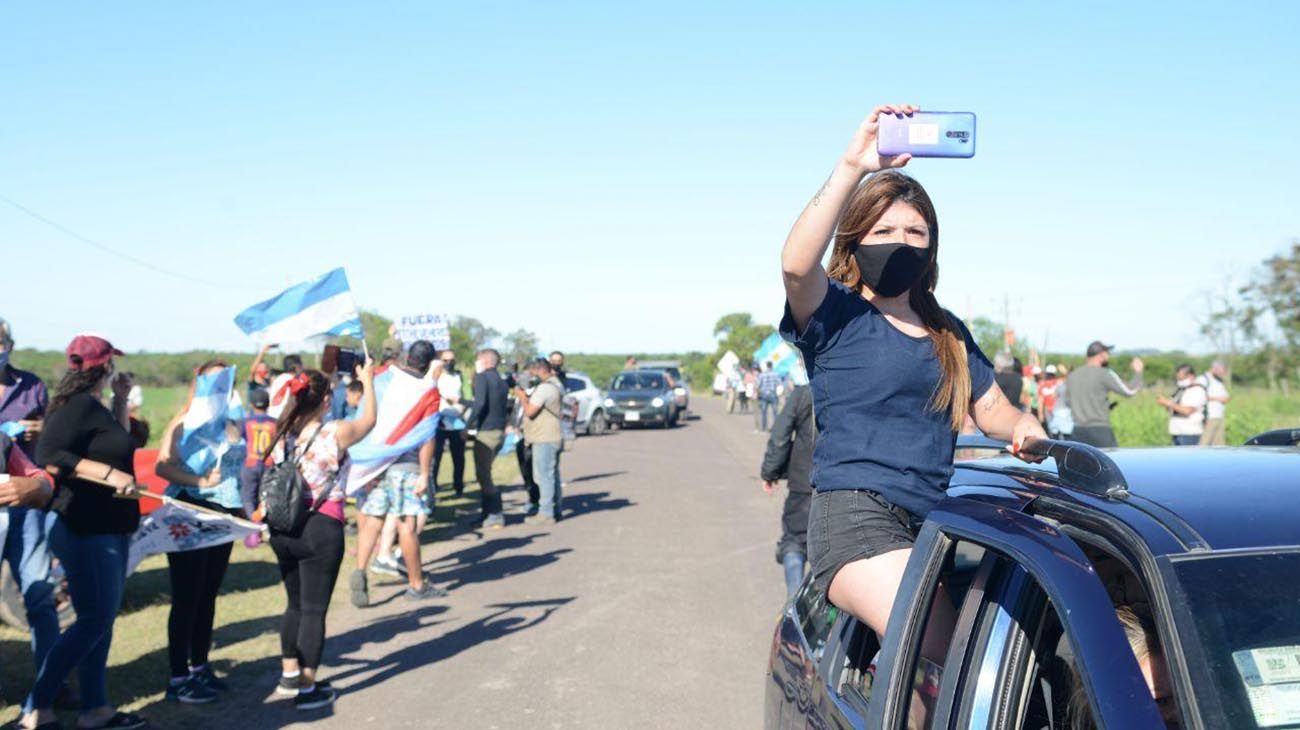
point(431, 327)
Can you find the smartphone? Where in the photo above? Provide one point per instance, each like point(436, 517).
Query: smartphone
point(928, 134)
point(348, 360)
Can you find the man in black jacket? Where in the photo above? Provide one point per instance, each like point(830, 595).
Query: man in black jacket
point(489, 418)
point(789, 456)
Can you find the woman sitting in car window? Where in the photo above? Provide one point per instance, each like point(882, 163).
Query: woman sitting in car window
point(893, 377)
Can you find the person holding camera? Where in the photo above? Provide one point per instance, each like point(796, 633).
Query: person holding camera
point(542, 411)
point(894, 376)
point(86, 445)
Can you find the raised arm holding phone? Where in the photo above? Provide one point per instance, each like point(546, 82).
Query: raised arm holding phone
point(893, 373)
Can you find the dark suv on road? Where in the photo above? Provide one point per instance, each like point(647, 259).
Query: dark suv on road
point(642, 398)
point(1029, 564)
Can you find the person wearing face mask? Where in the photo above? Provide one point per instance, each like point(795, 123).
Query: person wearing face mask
point(451, 425)
point(91, 535)
point(1186, 408)
point(25, 542)
point(1087, 394)
point(894, 376)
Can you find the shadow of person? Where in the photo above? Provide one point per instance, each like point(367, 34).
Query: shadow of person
point(587, 503)
point(594, 477)
point(494, 569)
point(508, 618)
point(483, 550)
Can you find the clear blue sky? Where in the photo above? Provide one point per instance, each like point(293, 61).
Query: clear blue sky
point(615, 177)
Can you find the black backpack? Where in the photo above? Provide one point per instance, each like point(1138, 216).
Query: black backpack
point(283, 491)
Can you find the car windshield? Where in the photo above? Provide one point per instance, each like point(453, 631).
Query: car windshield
point(638, 381)
point(1246, 612)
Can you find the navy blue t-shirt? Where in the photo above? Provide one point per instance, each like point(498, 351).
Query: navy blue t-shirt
point(872, 386)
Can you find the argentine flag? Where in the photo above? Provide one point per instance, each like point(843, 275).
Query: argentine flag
point(322, 306)
point(203, 430)
point(406, 417)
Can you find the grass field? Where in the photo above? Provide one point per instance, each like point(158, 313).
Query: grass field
point(1140, 421)
point(246, 641)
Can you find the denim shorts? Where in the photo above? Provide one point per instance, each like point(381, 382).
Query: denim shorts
point(395, 494)
point(847, 525)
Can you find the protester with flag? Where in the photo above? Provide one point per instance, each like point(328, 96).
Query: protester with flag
point(322, 307)
point(399, 491)
point(201, 456)
point(310, 558)
point(91, 536)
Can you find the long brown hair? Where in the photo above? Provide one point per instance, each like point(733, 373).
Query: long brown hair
point(302, 404)
point(75, 381)
point(865, 208)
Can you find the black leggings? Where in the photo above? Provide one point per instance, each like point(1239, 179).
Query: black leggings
point(309, 566)
point(196, 577)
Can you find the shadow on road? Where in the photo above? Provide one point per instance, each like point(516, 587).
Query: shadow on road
point(577, 505)
point(594, 477)
point(479, 552)
point(494, 569)
point(508, 618)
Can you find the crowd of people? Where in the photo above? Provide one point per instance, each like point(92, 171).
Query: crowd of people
point(68, 492)
point(1076, 405)
point(759, 389)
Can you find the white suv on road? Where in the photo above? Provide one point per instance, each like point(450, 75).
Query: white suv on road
point(592, 419)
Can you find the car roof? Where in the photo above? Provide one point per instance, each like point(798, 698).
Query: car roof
point(1234, 497)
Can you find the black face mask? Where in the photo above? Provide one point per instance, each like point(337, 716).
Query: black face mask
point(891, 268)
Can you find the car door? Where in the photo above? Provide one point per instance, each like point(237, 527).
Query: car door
point(1026, 563)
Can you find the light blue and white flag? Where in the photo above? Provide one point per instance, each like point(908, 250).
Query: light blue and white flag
point(406, 417)
point(778, 352)
point(322, 306)
point(203, 430)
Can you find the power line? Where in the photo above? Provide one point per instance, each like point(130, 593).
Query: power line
point(106, 249)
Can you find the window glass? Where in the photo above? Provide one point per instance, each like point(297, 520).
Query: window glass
point(1041, 675)
point(638, 381)
point(1246, 614)
point(816, 616)
point(574, 384)
point(954, 584)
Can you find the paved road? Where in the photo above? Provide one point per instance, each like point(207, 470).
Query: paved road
point(650, 607)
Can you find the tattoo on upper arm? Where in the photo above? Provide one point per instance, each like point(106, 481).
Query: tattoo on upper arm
point(817, 199)
point(994, 398)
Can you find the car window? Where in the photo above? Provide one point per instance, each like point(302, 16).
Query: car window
point(942, 643)
point(574, 384)
point(1038, 674)
point(816, 616)
point(1243, 612)
point(637, 381)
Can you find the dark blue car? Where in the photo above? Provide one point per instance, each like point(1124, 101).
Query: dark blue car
point(1051, 580)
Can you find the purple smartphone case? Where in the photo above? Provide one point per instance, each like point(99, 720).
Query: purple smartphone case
point(928, 134)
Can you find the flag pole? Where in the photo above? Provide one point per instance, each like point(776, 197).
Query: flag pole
point(172, 500)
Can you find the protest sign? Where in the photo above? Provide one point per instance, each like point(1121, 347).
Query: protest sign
point(432, 327)
point(728, 363)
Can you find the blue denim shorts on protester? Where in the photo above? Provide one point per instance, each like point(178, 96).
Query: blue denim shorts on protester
point(847, 525)
point(395, 494)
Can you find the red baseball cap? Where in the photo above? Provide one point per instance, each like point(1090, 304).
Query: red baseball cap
point(90, 351)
